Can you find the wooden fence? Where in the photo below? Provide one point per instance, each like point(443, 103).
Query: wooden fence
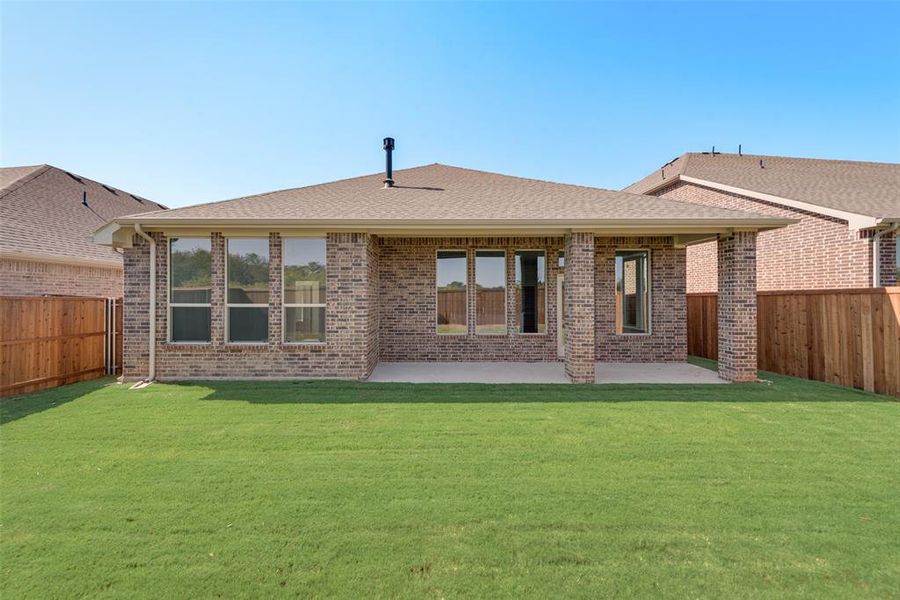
point(50, 341)
point(847, 337)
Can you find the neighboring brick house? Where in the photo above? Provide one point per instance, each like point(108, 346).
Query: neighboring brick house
point(47, 218)
point(848, 214)
point(448, 264)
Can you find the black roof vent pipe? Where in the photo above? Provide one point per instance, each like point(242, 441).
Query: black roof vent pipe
point(84, 198)
point(388, 163)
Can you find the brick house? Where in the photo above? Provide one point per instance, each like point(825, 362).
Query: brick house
point(47, 218)
point(443, 264)
point(847, 217)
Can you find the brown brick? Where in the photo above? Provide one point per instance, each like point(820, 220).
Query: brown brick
point(819, 252)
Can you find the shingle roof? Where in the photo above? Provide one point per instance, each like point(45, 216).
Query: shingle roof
point(865, 188)
point(444, 194)
point(41, 213)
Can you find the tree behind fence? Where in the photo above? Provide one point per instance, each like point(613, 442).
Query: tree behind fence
point(847, 337)
point(50, 341)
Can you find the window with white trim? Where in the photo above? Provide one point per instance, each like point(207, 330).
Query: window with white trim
point(190, 280)
point(303, 289)
point(247, 300)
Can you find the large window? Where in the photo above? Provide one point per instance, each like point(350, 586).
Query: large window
point(248, 290)
point(490, 292)
point(531, 291)
point(190, 279)
point(452, 267)
point(633, 291)
point(304, 290)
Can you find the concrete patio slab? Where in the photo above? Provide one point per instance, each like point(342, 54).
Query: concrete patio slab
point(537, 372)
point(470, 372)
point(655, 373)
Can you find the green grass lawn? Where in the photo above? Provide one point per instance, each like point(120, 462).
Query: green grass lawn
point(393, 490)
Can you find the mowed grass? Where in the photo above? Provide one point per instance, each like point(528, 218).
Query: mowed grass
point(387, 490)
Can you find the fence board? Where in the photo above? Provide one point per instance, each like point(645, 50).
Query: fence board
point(50, 341)
point(847, 337)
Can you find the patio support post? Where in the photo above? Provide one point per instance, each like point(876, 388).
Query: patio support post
point(737, 306)
point(578, 296)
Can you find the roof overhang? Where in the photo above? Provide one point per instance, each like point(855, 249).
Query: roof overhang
point(97, 263)
point(855, 221)
point(120, 233)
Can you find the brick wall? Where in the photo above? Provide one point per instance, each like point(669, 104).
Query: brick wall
point(737, 307)
point(819, 252)
point(667, 341)
point(888, 260)
point(382, 306)
point(580, 305)
point(32, 278)
point(408, 327)
point(136, 310)
point(345, 354)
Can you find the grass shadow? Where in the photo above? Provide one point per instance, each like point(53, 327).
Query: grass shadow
point(13, 408)
point(779, 388)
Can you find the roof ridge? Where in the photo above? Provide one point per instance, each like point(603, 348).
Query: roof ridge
point(828, 160)
point(18, 183)
point(287, 189)
point(43, 168)
point(573, 185)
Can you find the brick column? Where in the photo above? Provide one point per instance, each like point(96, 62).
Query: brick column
point(579, 309)
point(737, 306)
point(888, 260)
point(136, 310)
point(162, 291)
point(217, 293)
point(275, 313)
point(351, 320)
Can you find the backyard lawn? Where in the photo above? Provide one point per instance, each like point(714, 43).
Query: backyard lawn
point(394, 490)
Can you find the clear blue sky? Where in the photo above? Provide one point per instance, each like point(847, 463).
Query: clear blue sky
point(187, 103)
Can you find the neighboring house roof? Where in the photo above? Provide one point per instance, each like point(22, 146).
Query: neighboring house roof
point(42, 215)
point(441, 197)
point(829, 187)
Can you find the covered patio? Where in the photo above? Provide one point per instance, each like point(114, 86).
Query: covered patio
point(538, 372)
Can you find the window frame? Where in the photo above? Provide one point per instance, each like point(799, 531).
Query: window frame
point(546, 285)
point(437, 252)
point(285, 305)
point(649, 292)
point(171, 305)
point(505, 290)
point(229, 305)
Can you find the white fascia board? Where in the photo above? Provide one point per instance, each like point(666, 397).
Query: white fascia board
point(114, 235)
point(854, 220)
point(60, 260)
point(530, 226)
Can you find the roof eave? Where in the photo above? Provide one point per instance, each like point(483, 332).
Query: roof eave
point(118, 232)
point(855, 221)
point(60, 260)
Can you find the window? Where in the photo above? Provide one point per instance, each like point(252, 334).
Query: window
point(490, 292)
point(632, 291)
point(452, 267)
point(304, 290)
point(190, 268)
point(531, 291)
point(247, 270)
